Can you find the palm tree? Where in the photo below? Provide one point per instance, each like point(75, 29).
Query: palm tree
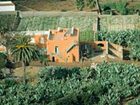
point(23, 51)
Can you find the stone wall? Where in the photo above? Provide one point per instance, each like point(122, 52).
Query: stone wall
point(51, 20)
point(87, 22)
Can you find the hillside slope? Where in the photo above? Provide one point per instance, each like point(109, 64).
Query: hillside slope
point(62, 5)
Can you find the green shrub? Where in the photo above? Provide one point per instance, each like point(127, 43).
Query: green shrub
point(50, 73)
point(80, 4)
point(120, 6)
point(127, 38)
point(108, 84)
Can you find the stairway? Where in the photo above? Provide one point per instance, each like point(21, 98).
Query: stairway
point(72, 45)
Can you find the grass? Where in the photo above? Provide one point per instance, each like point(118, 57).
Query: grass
point(31, 71)
point(46, 5)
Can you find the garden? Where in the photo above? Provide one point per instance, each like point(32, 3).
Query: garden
point(108, 83)
point(105, 84)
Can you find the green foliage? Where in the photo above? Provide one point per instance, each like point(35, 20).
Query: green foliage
point(8, 21)
point(128, 38)
point(2, 64)
point(120, 80)
point(135, 51)
point(3, 57)
point(109, 83)
point(43, 59)
point(135, 101)
point(23, 51)
point(119, 6)
point(87, 35)
point(57, 73)
point(80, 4)
point(91, 3)
point(83, 22)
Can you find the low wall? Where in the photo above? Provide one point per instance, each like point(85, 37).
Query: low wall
point(115, 50)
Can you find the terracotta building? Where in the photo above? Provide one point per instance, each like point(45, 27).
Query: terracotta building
point(61, 45)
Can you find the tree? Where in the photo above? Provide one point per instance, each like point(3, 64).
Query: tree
point(91, 3)
point(43, 59)
point(10, 65)
point(23, 51)
point(2, 64)
point(8, 24)
point(6, 39)
point(80, 4)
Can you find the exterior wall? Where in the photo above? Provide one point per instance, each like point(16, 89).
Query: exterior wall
point(92, 49)
point(63, 43)
point(7, 8)
point(37, 40)
point(62, 55)
point(106, 47)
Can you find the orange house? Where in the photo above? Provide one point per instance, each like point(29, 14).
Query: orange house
point(61, 45)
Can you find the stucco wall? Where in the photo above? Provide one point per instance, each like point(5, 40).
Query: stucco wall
point(66, 53)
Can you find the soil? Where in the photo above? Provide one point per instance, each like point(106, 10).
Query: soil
point(59, 5)
point(46, 5)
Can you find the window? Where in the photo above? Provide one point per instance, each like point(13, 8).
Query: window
point(56, 50)
point(42, 41)
point(100, 45)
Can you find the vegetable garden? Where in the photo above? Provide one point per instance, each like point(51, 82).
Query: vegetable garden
point(107, 84)
point(84, 23)
point(129, 39)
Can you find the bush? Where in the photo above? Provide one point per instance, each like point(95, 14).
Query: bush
point(119, 6)
point(2, 64)
point(80, 4)
point(128, 38)
point(50, 73)
point(108, 84)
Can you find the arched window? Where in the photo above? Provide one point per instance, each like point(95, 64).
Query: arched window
point(100, 45)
